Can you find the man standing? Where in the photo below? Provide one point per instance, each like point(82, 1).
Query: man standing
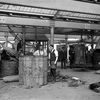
point(53, 55)
point(63, 57)
point(41, 51)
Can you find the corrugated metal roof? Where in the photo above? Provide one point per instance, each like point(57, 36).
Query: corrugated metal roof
point(59, 4)
point(22, 9)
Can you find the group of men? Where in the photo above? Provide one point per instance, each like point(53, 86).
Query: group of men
point(53, 58)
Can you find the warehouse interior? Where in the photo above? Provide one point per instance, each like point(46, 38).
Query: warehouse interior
point(72, 26)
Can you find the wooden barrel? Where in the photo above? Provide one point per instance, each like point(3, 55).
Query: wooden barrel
point(32, 70)
point(9, 68)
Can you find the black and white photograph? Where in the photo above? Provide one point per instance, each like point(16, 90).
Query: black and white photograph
point(49, 49)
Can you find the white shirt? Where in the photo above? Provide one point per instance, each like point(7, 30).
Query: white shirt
point(56, 53)
point(40, 52)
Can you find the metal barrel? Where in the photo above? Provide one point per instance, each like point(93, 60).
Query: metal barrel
point(9, 68)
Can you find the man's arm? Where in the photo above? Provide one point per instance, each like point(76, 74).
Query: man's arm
point(36, 53)
point(56, 54)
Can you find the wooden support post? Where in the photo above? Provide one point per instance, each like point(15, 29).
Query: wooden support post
point(92, 40)
point(6, 37)
point(66, 39)
point(36, 34)
point(24, 32)
point(52, 26)
point(92, 43)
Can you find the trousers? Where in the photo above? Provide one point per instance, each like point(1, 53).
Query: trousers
point(53, 73)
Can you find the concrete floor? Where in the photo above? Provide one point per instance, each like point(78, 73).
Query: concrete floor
point(57, 91)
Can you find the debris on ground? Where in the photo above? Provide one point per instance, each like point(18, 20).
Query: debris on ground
point(13, 78)
point(95, 87)
point(75, 82)
point(97, 72)
point(72, 81)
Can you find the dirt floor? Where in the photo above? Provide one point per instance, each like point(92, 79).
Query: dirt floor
point(56, 91)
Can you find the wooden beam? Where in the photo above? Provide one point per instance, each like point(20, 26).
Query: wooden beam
point(46, 23)
point(23, 32)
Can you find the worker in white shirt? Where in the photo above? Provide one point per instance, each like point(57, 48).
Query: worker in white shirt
point(40, 52)
point(53, 61)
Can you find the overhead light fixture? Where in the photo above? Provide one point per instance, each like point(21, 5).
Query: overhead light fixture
point(88, 30)
point(67, 19)
point(73, 39)
point(89, 21)
point(10, 14)
point(96, 0)
point(41, 17)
